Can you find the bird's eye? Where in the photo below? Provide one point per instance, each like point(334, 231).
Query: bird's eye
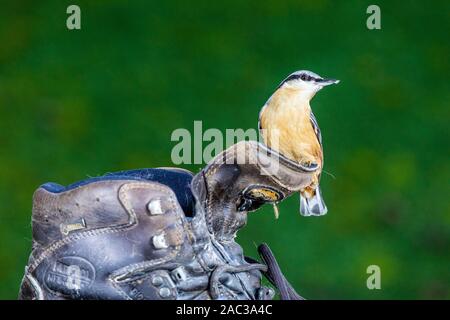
point(303, 77)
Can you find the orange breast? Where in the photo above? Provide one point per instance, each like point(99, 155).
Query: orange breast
point(286, 127)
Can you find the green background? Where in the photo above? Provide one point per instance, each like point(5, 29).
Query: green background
point(81, 103)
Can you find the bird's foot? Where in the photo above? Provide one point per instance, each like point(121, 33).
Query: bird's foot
point(309, 164)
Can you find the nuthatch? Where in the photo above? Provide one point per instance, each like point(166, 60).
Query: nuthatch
point(287, 125)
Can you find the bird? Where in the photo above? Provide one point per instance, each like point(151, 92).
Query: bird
point(287, 125)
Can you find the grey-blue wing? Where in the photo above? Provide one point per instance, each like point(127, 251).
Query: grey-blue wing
point(316, 128)
point(317, 131)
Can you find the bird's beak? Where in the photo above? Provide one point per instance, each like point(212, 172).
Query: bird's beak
point(326, 82)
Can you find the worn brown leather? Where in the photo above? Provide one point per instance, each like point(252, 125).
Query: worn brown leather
point(128, 238)
point(222, 185)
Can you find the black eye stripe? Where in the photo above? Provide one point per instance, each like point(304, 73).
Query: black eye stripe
point(293, 77)
point(301, 76)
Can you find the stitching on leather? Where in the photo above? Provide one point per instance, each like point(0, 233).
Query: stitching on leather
point(212, 170)
point(173, 205)
point(179, 221)
point(220, 161)
point(123, 196)
point(58, 244)
point(35, 285)
point(123, 199)
point(130, 269)
point(120, 291)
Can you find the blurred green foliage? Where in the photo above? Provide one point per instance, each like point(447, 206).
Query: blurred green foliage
point(75, 104)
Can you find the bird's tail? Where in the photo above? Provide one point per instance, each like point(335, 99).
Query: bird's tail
point(313, 205)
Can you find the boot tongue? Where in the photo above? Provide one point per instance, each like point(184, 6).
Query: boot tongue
point(241, 179)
